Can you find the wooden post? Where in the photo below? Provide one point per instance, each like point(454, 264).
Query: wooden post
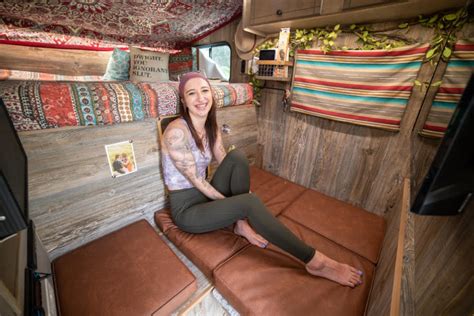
point(397, 279)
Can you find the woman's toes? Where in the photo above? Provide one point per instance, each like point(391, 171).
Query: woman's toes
point(358, 281)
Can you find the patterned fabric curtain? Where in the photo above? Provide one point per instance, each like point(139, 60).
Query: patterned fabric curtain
point(368, 88)
point(455, 79)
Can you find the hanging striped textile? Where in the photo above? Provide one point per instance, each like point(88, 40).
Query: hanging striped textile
point(368, 88)
point(455, 79)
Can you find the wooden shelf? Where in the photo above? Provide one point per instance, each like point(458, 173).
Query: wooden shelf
point(272, 78)
point(274, 62)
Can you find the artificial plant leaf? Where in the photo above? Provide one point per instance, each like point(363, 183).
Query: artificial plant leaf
point(447, 52)
point(450, 17)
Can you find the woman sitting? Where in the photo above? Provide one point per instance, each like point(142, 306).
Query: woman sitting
point(197, 206)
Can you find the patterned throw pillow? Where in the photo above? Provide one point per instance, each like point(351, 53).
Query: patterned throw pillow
point(148, 66)
point(118, 66)
point(180, 63)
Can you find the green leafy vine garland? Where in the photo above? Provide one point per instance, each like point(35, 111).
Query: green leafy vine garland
point(445, 26)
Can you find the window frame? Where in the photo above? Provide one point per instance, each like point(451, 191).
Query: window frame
point(221, 43)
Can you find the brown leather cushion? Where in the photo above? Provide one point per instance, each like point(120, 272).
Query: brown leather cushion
point(258, 177)
point(206, 250)
point(269, 282)
point(128, 272)
point(275, 192)
point(349, 226)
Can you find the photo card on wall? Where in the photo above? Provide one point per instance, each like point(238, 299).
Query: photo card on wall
point(121, 158)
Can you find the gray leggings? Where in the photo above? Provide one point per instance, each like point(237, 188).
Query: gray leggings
point(193, 212)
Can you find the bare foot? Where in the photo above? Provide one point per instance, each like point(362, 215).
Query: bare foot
point(325, 267)
point(242, 228)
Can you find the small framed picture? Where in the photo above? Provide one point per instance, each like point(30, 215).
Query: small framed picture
point(121, 158)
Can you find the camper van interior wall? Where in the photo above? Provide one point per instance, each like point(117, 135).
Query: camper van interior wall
point(459, 69)
point(368, 88)
point(148, 66)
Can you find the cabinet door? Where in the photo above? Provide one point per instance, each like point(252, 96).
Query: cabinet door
point(351, 4)
point(268, 11)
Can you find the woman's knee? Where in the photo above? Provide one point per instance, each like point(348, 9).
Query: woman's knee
point(180, 220)
point(238, 156)
point(253, 202)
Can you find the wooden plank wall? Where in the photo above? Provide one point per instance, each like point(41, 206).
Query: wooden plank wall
point(444, 268)
point(74, 199)
point(51, 60)
point(349, 162)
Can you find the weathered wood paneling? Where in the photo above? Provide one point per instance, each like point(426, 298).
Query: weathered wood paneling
point(444, 266)
point(74, 199)
point(242, 121)
point(407, 299)
point(444, 270)
point(352, 163)
point(52, 60)
point(399, 260)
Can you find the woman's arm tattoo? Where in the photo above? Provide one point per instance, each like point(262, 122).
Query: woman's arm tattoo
point(182, 156)
point(213, 193)
point(181, 153)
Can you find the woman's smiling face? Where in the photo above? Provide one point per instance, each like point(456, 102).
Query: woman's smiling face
point(197, 97)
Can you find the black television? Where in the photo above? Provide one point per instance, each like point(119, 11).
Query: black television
point(449, 185)
point(13, 178)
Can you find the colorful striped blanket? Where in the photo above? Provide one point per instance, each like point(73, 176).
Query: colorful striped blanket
point(40, 104)
point(369, 88)
point(459, 70)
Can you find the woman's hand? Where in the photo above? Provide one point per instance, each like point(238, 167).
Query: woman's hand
point(177, 145)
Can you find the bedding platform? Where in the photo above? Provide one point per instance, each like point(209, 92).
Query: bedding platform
point(271, 282)
point(36, 105)
point(128, 272)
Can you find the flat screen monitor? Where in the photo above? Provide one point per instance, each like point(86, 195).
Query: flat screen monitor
point(13, 177)
point(449, 185)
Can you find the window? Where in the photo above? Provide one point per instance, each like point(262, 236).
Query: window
point(213, 59)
